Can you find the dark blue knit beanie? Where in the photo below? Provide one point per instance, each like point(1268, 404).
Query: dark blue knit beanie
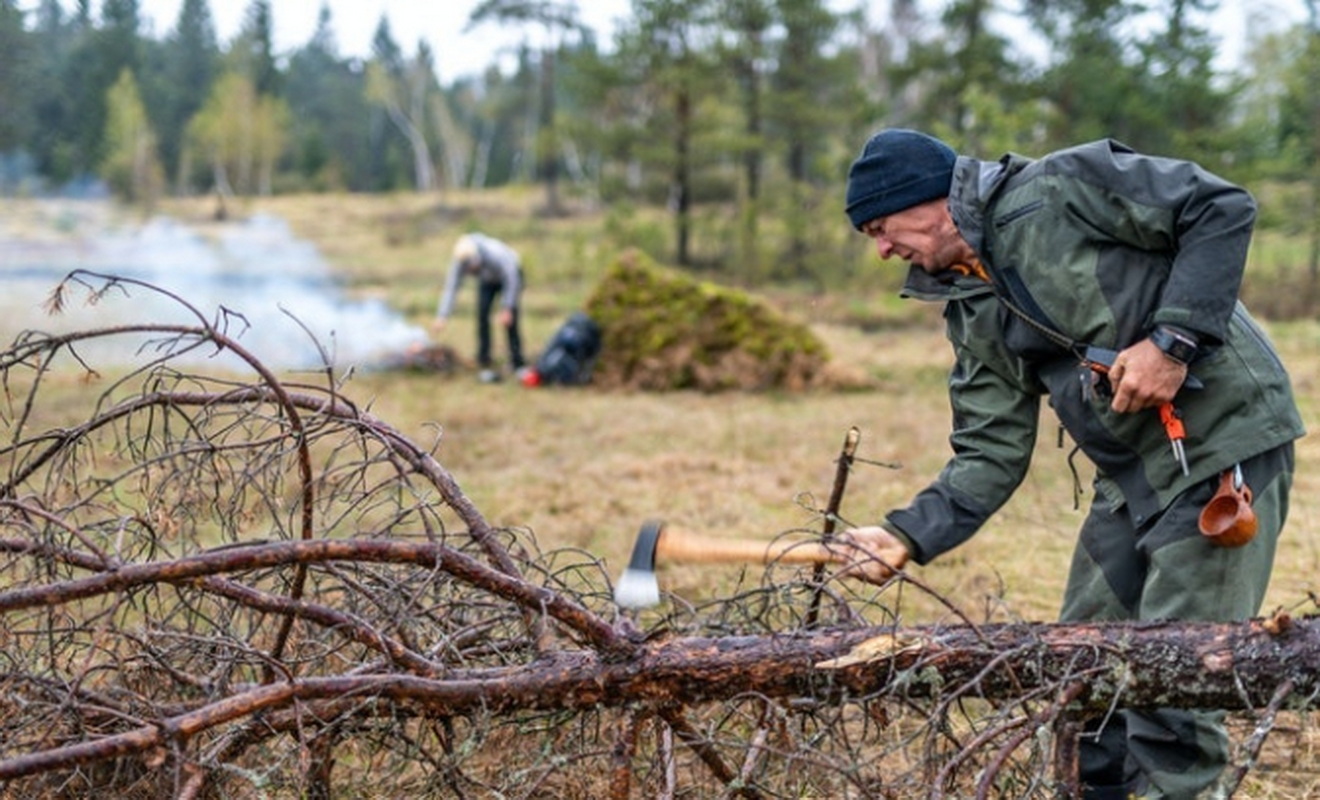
point(897, 169)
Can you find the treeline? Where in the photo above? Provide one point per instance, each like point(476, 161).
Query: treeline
point(751, 108)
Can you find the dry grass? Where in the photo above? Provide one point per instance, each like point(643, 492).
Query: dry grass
point(583, 468)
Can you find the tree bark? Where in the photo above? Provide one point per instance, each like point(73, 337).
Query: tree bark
point(1231, 666)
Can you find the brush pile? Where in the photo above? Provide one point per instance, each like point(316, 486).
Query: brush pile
point(664, 331)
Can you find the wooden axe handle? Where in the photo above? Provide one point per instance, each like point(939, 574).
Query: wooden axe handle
point(676, 544)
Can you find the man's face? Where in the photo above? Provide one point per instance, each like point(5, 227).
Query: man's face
point(923, 235)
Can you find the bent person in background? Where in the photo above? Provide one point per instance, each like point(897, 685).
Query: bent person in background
point(498, 271)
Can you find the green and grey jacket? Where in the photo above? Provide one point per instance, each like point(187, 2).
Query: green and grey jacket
point(1093, 245)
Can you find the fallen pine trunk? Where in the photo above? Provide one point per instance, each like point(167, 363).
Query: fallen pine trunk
point(1231, 666)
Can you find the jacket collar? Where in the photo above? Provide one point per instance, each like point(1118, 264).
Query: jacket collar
point(974, 185)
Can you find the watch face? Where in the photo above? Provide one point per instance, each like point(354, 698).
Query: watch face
point(1173, 345)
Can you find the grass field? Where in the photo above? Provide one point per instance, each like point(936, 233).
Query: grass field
point(582, 468)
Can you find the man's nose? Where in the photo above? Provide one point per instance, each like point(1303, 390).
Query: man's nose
point(884, 247)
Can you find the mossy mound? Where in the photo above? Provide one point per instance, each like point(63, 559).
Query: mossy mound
point(663, 330)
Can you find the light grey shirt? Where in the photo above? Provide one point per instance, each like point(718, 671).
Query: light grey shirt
point(497, 264)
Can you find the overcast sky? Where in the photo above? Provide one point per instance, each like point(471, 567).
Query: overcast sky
point(458, 52)
point(440, 22)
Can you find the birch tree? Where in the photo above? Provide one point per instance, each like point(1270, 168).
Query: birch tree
point(404, 87)
point(132, 166)
point(241, 135)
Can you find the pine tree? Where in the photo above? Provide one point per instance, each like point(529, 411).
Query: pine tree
point(329, 141)
point(16, 123)
point(190, 59)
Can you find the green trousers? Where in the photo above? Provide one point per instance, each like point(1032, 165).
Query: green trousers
point(1167, 570)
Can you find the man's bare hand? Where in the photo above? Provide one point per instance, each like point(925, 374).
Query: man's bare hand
point(438, 324)
point(871, 553)
point(1143, 377)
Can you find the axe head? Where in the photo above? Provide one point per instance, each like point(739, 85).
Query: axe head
point(637, 586)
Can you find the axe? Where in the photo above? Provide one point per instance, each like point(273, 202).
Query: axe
point(638, 588)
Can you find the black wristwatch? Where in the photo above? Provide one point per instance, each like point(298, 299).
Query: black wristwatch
point(1175, 344)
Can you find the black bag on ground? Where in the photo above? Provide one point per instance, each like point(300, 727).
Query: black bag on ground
point(572, 352)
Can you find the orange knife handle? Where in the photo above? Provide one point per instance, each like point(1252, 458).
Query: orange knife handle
point(1173, 424)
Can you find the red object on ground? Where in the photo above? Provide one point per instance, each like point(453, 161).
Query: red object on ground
point(531, 378)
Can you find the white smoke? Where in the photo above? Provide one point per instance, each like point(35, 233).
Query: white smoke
point(256, 268)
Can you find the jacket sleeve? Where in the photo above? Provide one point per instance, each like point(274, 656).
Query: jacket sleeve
point(1161, 204)
point(446, 305)
point(996, 412)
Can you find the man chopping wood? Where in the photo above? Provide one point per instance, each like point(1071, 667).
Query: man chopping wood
point(1106, 281)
